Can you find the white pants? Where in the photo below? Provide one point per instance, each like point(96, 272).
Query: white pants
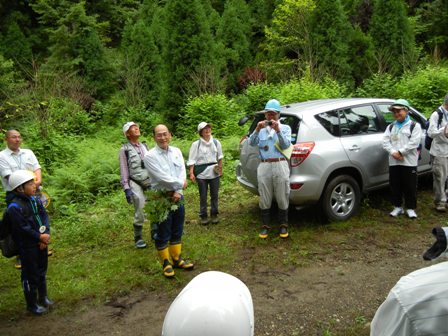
point(273, 181)
point(439, 175)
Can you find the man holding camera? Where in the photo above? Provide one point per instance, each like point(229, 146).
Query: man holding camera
point(134, 177)
point(273, 172)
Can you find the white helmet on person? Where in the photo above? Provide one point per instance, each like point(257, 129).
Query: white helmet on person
point(213, 303)
point(19, 177)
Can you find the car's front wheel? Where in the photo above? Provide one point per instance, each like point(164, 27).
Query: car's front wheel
point(341, 198)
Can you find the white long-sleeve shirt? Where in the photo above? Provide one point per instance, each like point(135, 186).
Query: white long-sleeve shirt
point(417, 305)
point(403, 141)
point(166, 168)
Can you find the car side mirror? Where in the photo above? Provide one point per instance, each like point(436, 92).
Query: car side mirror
point(243, 121)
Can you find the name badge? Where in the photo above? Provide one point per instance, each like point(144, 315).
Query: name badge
point(42, 229)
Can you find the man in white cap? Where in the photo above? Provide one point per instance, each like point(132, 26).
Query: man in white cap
point(134, 177)
point(272, 138)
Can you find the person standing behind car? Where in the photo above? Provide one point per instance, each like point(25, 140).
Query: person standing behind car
point(134, 177)
point(273, 171)
point(401, 140)
point(205, 167)
point(437, 130)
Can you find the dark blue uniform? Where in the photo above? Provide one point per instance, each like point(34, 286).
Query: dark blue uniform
point(29, 220)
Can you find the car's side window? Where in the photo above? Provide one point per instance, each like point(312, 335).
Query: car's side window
point(330, 121)
point(389, 117)
point(293, 122)
point(359, 120)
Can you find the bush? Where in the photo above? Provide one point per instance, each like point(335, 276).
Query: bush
point(379, 85)
point(425, 88)
point(216, 109)
point(68, 117)
point(256, 96)
point(306, 89)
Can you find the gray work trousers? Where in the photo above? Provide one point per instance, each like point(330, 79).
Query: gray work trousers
point(273, 181)
point(439, 175)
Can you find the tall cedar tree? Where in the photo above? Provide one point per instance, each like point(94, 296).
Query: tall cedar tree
point(142, 50)
point(392, 36)
point(331, 32)
point(76, 48)
point(234, 34)
point(188, 49)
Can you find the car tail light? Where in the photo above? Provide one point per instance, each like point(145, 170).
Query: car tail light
point(296, 186)
point(300, 152)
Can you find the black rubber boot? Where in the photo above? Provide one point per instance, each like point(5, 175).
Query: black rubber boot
point(265, 221)
point(139, 242)
point(282, 217)
point(43, 299)
point(31, 303)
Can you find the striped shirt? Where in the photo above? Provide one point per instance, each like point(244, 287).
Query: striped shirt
point(417, 305)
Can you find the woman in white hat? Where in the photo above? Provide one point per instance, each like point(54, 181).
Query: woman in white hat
point(205, 167)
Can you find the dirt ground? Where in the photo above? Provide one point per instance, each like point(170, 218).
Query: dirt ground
point(328, 294)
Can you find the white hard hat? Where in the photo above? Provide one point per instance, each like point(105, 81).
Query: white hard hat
point(19, 177)
point(203, 125)
point(213, 303)
point(127, 126)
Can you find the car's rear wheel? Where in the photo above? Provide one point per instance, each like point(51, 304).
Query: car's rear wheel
point(341, 198)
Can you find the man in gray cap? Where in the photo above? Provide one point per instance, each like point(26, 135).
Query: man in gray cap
point(134, 177)
point(438, 131)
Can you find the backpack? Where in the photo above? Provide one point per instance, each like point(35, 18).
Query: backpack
point(428, 139)
point(419, 148)
point(7, 244)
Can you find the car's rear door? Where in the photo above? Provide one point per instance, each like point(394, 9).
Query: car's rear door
point(361, 136)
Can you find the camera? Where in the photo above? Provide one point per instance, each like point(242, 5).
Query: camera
point(268, 123)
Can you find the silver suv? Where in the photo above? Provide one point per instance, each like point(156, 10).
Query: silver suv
point(337, 155)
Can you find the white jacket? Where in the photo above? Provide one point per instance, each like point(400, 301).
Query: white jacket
point(439, 146)
point(401, 140)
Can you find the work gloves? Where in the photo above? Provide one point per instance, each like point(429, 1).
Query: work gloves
point(129, 195)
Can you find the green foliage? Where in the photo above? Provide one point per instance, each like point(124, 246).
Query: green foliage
point(93, 171)
point(141, 71)
point(10, 83)
point(76, 46)
point(379, 85)
point(234, 34)
point(159, 204)
point(220, 111)
point(67, 117)
point(392, 36)
point(331, 34)
point(432, 18)
point(256, 96)
point(306, 89)
point(425, 89)
point(190, 62)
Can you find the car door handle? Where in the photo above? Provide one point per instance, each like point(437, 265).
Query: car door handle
point(354, 148)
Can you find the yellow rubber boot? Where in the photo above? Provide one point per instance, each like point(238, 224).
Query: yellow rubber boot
point(178, 262)
point(164, 256)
